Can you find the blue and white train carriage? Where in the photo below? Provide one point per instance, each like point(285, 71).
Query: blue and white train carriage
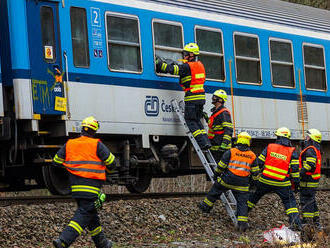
point(64, 60)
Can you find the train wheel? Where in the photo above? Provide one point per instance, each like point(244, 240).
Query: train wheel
point(56, 180)
point(142, 183)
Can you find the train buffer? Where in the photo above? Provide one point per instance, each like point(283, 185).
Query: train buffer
point(209, 164)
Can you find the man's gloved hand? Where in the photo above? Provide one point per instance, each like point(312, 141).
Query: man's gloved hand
point(158, 63)
point(99, 202)
point(205, 116)
point(215, 176)
point(223, 146)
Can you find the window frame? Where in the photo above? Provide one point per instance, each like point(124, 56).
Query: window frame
point(235, 57)
point(315, 67)
point(284, 63)
point(128, 16)
point(174, 23)
point(48, 61)
point(87, 39)
point(211, 53)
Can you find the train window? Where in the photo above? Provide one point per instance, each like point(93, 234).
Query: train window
point(123, 37)
point(168, 40)
point(247, 58)
point(211, 52)
point(314, 66)
point(79, 37)
point(47, 33)
point(281, 60)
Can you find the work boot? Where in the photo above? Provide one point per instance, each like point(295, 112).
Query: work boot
point(59, 244)
point(242, 226)
point(101, 241)
point(205, 208)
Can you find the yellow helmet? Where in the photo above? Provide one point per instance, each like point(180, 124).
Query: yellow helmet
point(283, 132)
point(244, 138)
point(91, 123)
point(315, 135)
point(221, 94)
point(192, 48)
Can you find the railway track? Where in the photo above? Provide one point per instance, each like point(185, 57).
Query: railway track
point(36, 200)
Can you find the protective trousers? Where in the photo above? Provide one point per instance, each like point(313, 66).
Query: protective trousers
point(310, 211)
point(241, 198)
point(86, 216)
point(217, 154)
point(287, 197)
point(193, 114)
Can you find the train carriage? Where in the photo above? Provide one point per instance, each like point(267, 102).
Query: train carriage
point(64, 60)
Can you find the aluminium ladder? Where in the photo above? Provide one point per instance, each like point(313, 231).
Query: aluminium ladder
point(208, 162)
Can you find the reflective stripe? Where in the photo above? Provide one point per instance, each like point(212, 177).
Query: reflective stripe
point(76, 226)
point(208, 202)
point(250, 204)
point(316, 176)
point(276, 169)
point(85, 188)
point(239, 188)
point(309, 184)
point(307, 167)
point(84, 162)
point(296, 174)
point(255, 168)
point(163, 67)
point(194, 97)
point(185, 79)
point(316, 214)
point(239, 162)
point(291, 210)
point(86, 170)
point(176, 70)
point(96, 231)
point(274, 183)
point(199, 75)
point(110, 159)
point(308, 215)
point(197, 132)
point(272, 174)
point(238, 168)
point(222, 164)
point(242, 218)
point(58, 160)
point(311, 159)
point(262, 158)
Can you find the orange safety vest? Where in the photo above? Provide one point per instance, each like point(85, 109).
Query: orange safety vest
point(211, 134)
point(81, 158)
point(278, 161)
point(317, 173)
point(197, 77)
point(240, 162)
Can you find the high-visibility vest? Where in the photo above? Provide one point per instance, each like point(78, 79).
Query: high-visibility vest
point(197, 77)
point(211, 134)
point(277, 161)
point(81, 158)
point(317, 173)
point(240, 162)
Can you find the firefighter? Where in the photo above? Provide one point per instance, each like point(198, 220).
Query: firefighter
point(86, 159)
point(310, 173)
point(233, 173)
point(220, 125)
point(279, 163)
point(192, 78)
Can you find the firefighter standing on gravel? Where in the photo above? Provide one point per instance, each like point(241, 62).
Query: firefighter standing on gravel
point(310, 173)
point(220, 126)
point(86, 159)
point(192, 78)
point(233, 173)
point(279, 162)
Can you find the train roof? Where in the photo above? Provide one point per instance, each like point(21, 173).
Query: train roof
point(271, 11)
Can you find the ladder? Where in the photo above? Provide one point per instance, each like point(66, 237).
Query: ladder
point(209, 164)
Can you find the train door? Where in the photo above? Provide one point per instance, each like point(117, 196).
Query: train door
point(45, 58)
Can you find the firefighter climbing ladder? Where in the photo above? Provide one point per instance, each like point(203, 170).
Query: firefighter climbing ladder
point(208, 162)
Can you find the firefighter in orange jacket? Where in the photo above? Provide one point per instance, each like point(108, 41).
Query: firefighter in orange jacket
point(233, 173)
point(310, 174)
point(220, 126)
point(279, 162)
point(86, 159)
point(192, 78)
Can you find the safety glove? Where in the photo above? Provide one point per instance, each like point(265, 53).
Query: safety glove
point(99, 202)
point(205, 116)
